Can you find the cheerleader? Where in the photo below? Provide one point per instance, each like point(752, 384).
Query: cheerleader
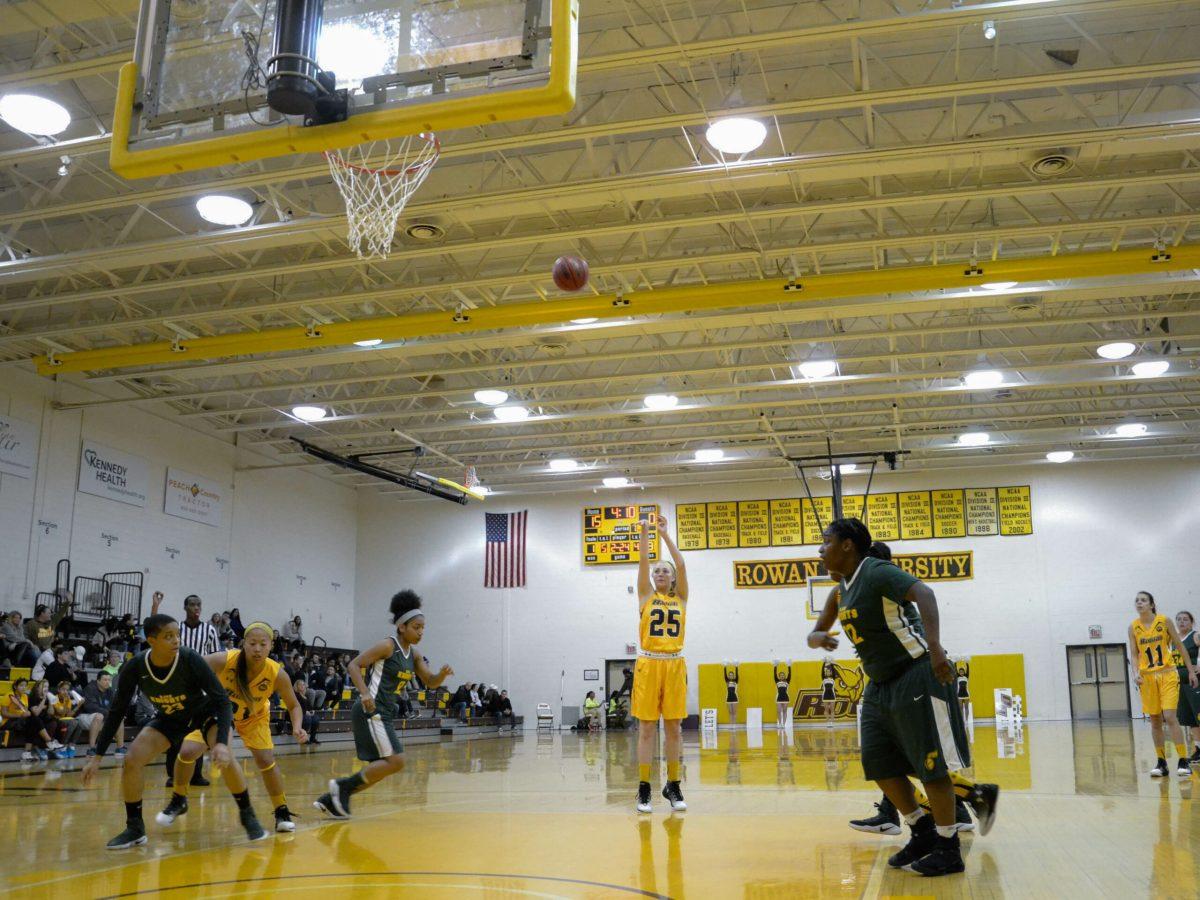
point(783, 678)
point(828, 676)
point(962, 671)
point(731, 691)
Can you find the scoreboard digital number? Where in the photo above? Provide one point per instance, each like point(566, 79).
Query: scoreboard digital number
point(610, 534)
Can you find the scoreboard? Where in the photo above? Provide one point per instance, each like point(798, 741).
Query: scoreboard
point(610, 534)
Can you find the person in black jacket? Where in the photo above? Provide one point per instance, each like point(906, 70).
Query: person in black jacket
point(188, 696)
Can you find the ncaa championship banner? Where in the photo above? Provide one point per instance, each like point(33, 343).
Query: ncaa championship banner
point(794, 573)
point(192, 497)
point(110, 473)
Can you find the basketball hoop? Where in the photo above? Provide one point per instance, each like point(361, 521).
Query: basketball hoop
point(470, 479)
point(376, 196)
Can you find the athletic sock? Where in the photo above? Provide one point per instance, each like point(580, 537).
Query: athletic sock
point(1181, 751)
point(946, 830)
point(914, 817)
point(644, 772)
point(352, 783)
point(673, 770)
point(1158, 748)
point(962, 785)
point(243, 799)
point(279, 801)
point(133, 811)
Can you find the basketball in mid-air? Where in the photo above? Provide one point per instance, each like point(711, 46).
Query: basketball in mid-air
point(570, 273)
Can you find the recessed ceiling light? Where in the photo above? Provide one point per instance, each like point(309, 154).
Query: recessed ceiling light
point(371, 342)
point(1130, 429)
point(973, 439)
point(617, 481)
point(221, 209)
point(1151, 368)
point(563, 464)
point(998, 285)
point(736, 136)
point(981, 379)
point(585, 321)
point(510, 413)
point(33, 114)
point(709, 454)
point(309, 413)
point(1115, 350)
point(817, 368)
point(491, 396)
point(660, 401)
point(1060, 456)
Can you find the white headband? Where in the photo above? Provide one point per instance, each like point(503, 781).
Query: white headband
point(408, 615)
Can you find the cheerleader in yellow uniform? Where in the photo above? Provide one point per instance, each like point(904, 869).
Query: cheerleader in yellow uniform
point(250, 677)
point(1151, 639)
point(660, 674)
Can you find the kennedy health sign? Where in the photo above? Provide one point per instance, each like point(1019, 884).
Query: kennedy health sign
point(192, 497)
point(110, 473)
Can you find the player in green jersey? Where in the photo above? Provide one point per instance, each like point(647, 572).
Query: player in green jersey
point(389, 667)
point(911, 723)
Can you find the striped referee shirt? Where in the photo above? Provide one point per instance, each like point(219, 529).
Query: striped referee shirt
point(202, 638)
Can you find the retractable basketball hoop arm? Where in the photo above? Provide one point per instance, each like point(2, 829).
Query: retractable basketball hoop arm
point(417, 481)
point(831, 459)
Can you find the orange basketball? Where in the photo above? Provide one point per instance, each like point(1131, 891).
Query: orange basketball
point(570, 273)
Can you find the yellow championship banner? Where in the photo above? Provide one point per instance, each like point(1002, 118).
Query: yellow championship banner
point(895, 516)
point(795, 573)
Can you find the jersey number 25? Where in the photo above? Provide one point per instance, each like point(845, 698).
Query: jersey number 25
point(664, 623)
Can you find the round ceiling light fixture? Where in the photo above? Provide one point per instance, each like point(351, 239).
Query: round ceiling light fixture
point(309, 413)
point(33, 114)
point(736, 136)
point(1115, 350)
point(491, 396)
point(511, 413)
point(973, 439)
point(1060, 456)
point(221, 209)
point(982, 379)
point(709, 454)
point(660, 402)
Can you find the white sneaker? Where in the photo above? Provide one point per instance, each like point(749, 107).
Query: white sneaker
point(1159, 770)
point(55, 745)
point(674, 796)
point(643, 797)
point(27, 756)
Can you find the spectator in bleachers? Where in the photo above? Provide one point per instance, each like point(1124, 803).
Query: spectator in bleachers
point(312, 718)
point(476, 703)
point(333, 687)
point(461, 701)
point(126, 634)
point(113, 665)
point(17, 646)
point(501, 708)
point(235, 625)
point(40, 629)
point(316, 685)
point(45, 658)
point(31, 706)
point(59, 669)
point(293, 634)
point(97, 700)
point(108, 631)
point(64, 706)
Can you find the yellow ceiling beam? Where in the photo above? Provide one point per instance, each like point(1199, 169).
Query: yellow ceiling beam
point(741, 294)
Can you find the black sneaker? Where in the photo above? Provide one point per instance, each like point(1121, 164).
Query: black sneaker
point(170, 781)
point(340, 795)
point(983, 799)
point(133, 835)
point(944, 859)
point(962, 816)
point(176, 808)
point(325, 804)
point(673, 795)
point(1185, 768)
point(254, 829)
point(924, 835)
point(283, 819)
point(643, 797)
point(1160, 769)
point(1195, 758)
point(885, 821)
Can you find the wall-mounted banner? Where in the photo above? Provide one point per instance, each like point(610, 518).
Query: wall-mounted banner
point(113, 474)
point(898, 516)
point(18, 447)
point(795, 573)
point(192, 497)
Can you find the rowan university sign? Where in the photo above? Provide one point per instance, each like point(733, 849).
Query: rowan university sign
point(793, 573)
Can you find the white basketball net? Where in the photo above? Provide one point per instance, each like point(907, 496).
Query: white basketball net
point(376, 194)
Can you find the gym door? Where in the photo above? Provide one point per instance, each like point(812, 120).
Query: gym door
point(1099, 686)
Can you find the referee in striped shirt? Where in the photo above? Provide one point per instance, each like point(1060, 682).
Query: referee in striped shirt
point(200, 636)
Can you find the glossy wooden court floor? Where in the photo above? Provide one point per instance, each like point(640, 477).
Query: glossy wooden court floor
point(552, 816)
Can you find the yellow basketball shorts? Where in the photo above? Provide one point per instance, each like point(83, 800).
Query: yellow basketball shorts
point(255, 733)
point(659, 689)
point(1160, 690)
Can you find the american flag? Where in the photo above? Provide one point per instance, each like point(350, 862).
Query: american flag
point(505, 563)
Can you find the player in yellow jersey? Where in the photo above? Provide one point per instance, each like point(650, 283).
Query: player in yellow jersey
point(660, 674)
point(250, 677)
point(1151, 639)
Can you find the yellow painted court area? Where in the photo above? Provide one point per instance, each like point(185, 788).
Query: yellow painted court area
point(552, 816)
